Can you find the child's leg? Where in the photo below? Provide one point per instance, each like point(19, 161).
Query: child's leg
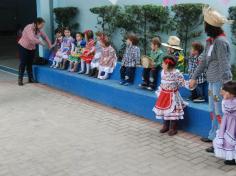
point(173, 128)
point(70, 66)
point(145, 76)
point(165, 127)
point(153, 79)
point(129, 77)
point(82, 65)
point(122, 73)
point(74, 69)
point(87, 68)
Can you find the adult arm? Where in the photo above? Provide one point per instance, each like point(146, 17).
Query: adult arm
point(45, 38)
point(223, 56)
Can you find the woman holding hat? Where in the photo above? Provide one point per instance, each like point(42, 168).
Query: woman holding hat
point(174, 49)
point(215, 60)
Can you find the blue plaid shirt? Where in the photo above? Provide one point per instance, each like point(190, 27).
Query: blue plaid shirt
point(131, 57)
point(193, 63)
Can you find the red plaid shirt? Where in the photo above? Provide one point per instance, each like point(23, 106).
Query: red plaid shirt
point(29, 39)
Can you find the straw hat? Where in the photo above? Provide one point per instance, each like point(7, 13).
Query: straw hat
point(214, 18)
point(173, 42)
point(146, 62)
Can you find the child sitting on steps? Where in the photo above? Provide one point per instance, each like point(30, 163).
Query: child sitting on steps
point(108, 59)
point(76, 51)
point(88, 53)
point(149, 76)
point(130, 60)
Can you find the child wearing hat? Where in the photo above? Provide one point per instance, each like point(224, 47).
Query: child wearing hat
point(174, 49)
point(225, 141)
point(149, 75)
point(215, 60)
point(170, 105)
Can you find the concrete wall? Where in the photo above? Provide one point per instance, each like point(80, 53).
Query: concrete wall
point(89, 21)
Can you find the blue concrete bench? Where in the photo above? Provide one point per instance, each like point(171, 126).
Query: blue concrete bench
point(130, 99)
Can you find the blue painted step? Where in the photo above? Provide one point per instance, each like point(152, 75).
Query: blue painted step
point(129, 99)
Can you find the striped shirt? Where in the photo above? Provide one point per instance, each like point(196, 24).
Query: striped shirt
point(216, 61)
point(29, 39)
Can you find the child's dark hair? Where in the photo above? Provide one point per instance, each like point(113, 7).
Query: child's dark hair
point(170, 61)
point(198, 47)
point(133, 38)
point(37, 21)
point(230, 87)
point(213, 31)
point(89, 34)
point(59, 30)
point(67, 29)
point(80, 33)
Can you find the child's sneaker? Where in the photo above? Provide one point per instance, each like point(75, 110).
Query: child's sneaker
point(127, 84)
point(143, 85)
point(199, 100)
point(150, 88)
point(122, 82)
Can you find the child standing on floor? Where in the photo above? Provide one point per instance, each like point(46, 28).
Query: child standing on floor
point(197, 95)
point(56, 46)
point(170, 105)
point(97, 56)
point(149, 76)
point(108, 59)
point(225, 141)
point(88, 53)
point(76, 51)
point(130, 60)
point(174, 49)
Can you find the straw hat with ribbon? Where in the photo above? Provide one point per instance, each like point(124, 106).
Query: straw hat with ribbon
point(214, 18)
point(173, 42)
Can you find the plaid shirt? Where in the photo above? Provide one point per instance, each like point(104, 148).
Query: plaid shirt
point(131, 57)
point(193, 63)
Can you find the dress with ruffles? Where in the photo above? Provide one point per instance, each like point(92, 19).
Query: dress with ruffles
point(170, 104)
point(108, 60)
point(225, 141)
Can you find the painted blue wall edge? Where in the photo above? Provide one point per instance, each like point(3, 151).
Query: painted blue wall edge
point(129, 99)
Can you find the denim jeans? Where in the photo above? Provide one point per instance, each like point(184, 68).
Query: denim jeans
point(215, 107)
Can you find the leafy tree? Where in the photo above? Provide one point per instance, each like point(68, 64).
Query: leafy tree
point(65, 15)
point(106, 18)
point(144, 20)
point(188, 18)
point(232, 16)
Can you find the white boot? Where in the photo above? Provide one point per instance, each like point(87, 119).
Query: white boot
point(87, 69)
point(82, 65)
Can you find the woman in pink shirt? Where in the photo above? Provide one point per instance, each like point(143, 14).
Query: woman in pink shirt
point(27, 46)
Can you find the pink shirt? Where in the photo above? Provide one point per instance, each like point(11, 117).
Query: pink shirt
point(29, 39)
